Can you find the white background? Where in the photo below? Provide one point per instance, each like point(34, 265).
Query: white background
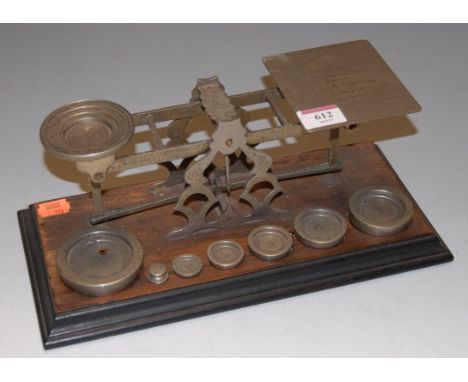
point(420, 313)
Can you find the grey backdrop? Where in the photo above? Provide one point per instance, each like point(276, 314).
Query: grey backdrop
point(420, 313)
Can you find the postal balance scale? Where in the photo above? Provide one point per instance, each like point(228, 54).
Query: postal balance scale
point(230, 226)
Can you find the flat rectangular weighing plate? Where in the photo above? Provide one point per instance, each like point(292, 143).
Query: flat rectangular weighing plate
point(351, 75)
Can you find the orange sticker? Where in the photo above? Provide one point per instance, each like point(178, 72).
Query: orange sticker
point(55, 207)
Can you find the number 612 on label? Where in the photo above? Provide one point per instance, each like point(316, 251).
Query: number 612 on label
point(319, 117)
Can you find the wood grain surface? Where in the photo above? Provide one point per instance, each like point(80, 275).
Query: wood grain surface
point(363, 165)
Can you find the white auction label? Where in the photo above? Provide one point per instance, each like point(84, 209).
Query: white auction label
point(321, 116)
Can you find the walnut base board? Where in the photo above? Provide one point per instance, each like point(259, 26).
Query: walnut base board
point(62, 326)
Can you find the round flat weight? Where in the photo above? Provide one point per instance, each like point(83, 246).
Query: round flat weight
point(99, 261)
point(320, 227)
point(157, 273)
point(225, 254)
point(270, 242)
point(380, 210)
point(86, 130)
point(187, 265)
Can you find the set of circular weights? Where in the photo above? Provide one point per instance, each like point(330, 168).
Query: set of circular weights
point(376, 211)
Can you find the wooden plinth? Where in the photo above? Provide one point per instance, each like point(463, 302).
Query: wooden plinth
point(66, 317)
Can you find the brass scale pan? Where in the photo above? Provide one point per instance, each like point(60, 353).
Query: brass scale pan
point(105, 259)
point(86, 130)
